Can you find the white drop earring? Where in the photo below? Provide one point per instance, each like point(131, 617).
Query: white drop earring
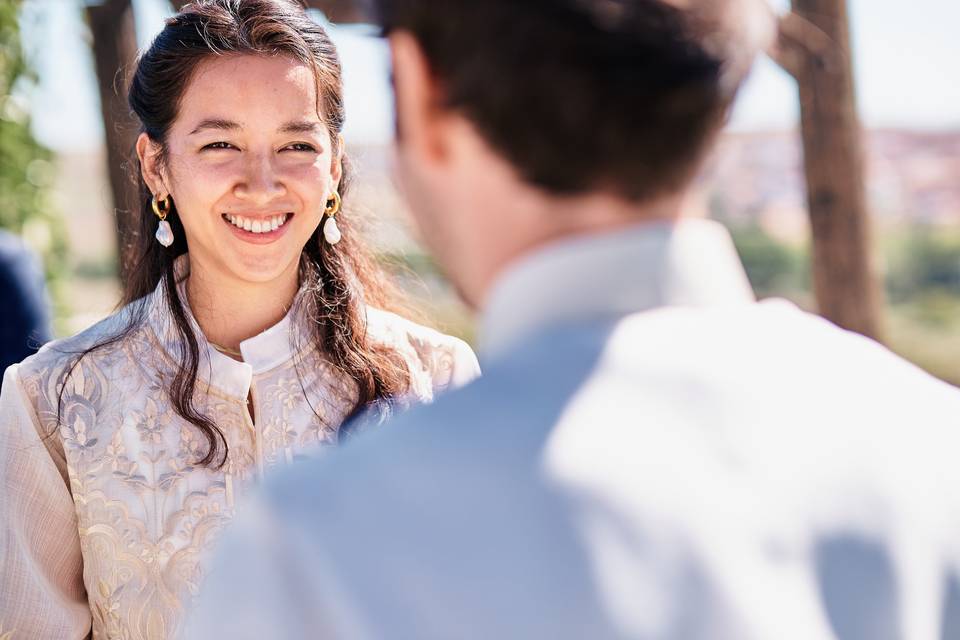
point(164, 233)
point(331, 232)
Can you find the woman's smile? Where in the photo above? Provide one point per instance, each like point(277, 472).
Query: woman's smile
point(258, 228)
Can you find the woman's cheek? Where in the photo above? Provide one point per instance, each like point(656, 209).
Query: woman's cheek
point(209, 177)
point(307, 172)
point(310, 181)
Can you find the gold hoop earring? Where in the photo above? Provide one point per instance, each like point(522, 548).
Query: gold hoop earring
point(161, 207)
point(333, 205)
point(164, 233)
point(331, 232)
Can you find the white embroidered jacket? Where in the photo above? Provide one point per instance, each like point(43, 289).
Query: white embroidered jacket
point(105, 519)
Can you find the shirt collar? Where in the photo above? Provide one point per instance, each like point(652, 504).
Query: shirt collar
point(261, 353)
point(643, 267)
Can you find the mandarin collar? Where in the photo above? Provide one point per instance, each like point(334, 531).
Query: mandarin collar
point(611, 274)
point(261, 353)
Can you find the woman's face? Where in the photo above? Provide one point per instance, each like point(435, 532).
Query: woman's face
point(249, 165)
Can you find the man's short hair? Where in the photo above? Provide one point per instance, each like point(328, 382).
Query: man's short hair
point(624, 96)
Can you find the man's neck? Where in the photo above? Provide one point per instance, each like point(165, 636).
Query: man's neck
point(561, 218)
point(230, 311)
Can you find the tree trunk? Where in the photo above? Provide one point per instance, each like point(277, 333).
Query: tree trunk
point(115, 51)
point(845, 278)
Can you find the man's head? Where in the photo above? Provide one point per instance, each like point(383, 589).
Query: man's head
point(519, 122)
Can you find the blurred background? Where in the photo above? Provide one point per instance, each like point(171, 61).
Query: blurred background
point(56, 193)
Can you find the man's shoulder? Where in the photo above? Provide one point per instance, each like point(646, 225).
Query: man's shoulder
point(772, 382)
point(811, 341)
point(774, 334)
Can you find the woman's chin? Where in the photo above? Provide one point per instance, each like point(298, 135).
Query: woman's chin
point(258, 267)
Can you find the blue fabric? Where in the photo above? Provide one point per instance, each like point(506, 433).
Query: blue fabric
point(512, 431)
point(25, 323)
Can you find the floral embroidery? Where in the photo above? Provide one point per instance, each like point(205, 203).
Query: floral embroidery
point(148, 423)
point(288, 393)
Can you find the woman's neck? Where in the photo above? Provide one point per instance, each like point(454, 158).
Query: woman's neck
point(230, 311)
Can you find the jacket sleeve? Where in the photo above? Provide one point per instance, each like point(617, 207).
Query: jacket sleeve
point(41, 567)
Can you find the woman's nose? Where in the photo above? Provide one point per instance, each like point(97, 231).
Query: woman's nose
point(260, 183)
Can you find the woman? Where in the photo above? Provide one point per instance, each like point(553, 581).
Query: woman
point(248, 337)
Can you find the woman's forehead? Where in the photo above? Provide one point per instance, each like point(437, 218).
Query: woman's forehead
point(251, 89)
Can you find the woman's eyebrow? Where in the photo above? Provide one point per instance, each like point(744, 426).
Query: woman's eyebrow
point(295, 126)
point(300, 126)
point(215, 123)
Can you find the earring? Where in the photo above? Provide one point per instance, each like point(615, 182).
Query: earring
point(331, 232)
point(164, 233)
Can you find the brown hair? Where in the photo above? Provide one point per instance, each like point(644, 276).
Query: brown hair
point(618, 95)
point(341, 281)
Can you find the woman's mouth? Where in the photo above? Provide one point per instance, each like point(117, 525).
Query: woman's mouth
point(258, 226)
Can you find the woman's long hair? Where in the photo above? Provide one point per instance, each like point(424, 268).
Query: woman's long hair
point(340, 282)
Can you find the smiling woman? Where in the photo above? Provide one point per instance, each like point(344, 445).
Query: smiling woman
point(248, 146)
point(254, 325)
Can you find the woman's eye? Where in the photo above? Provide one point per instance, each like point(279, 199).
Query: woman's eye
point(219, 145)
point(301, 146)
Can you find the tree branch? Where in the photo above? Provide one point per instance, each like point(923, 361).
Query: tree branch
point(339, 11)
point(798, 40)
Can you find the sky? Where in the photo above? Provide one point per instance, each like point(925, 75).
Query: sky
point(907, 60)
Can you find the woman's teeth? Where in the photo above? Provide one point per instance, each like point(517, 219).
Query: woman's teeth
point(258, 226)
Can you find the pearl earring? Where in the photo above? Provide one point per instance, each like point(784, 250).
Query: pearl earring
point(331, 232)
point(164, 233)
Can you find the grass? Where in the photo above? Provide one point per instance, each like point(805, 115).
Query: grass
point(926, 331)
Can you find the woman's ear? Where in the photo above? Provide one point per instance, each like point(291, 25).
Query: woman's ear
point(148, 152)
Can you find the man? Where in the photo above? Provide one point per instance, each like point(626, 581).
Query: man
point(651, 453)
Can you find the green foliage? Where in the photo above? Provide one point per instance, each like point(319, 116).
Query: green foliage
point(921, 260)
point(927, 332)
point(774, 268)
point(26, 166)
point(923, 287)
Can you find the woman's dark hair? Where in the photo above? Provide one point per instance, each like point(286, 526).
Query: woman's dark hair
point(340, 282)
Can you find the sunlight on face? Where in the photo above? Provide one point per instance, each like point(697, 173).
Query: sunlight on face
point(250, 166)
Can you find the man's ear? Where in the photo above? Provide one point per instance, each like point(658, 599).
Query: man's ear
point(419, 104)
point(148, 152)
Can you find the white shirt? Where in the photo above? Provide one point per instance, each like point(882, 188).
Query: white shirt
point(650, 454)
point(105, 519)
